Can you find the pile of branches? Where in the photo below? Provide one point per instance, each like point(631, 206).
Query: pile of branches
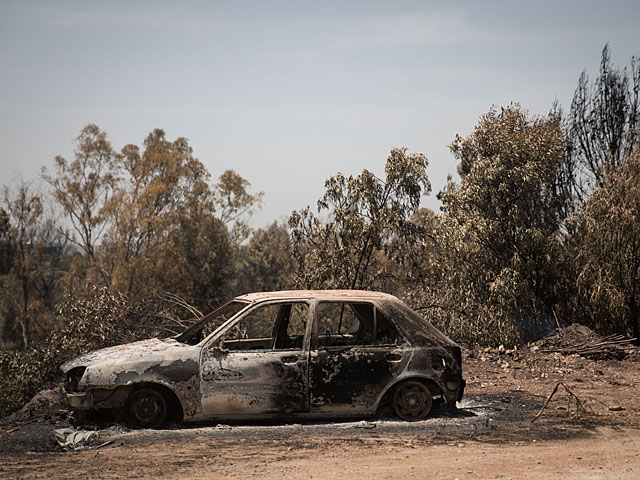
point(580, 340)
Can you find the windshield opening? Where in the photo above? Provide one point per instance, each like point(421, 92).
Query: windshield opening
point(210, 322)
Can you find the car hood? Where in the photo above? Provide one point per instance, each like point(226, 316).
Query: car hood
point(120, 352)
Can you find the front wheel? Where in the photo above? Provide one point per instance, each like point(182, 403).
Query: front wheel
point(412, 400)
point(146, 408)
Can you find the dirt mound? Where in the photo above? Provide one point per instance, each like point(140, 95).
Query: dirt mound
point(45, 404)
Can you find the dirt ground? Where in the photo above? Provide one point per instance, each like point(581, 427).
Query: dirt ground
point(591, 430)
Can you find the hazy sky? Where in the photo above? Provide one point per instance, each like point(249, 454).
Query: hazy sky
point(288, 93)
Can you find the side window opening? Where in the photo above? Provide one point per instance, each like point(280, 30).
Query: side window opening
point(297, 325)
point(278, 326)
point(342, 324)
point(386, 332)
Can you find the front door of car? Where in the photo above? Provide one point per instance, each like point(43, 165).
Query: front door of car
point(356, 353)
point(259, 364)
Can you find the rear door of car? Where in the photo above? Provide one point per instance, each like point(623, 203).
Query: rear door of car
point(356, 352)
point(260, 364)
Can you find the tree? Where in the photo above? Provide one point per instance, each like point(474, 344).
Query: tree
point(31, 231)
point(155, 192)
point(607, 249)
point(7, 249)
point(83, 187)
point(202, 266)
point(265, 263)
point(233, 202)
point(498, 235)
point(603, 126)
point(148, 219)
point(8, 307)
point(366, 213)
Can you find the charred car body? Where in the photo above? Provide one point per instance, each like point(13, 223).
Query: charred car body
point(339, 353)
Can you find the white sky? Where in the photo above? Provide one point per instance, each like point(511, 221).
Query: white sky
point(288, 93)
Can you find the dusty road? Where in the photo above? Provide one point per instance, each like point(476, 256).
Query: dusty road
point(490, 436)
point(605, 453)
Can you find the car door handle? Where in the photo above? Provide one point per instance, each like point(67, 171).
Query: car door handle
point(393, 357)
point(289, 359)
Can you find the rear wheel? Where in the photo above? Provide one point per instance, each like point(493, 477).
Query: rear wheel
point(147, 408)
point(412, 400)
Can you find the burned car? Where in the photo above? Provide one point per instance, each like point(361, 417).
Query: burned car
point(292, 354)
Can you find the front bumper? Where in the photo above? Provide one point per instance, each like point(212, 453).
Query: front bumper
point(98, 398)
point(80, 401)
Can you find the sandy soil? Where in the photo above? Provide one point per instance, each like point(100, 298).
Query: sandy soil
point(490, 435)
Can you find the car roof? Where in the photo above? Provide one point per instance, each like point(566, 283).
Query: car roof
point(415, 326)
point(319, 294)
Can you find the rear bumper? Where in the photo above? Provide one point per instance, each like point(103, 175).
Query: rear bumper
point(463, 383)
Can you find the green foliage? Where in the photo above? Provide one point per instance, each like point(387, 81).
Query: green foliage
point(499, 231)
point(148, 219)
point(606, 245)
point(463, 319)
point(82, 187)
point(156, 192)
point(365, 214)
point(410, 262)
point(265, 263)
point(10, 331)
point(489, 262)
point(233, 203)
point(201, 266)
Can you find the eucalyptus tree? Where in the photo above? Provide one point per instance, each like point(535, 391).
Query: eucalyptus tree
point(364, 214)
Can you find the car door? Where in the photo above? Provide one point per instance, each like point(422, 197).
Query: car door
point(259, 365)
point(356, 353)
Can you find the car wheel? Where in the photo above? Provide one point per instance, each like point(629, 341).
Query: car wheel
point(146, 408)
point(412, 400)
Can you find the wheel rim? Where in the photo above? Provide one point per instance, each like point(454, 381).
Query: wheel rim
point(147, 408)
point(412, 401)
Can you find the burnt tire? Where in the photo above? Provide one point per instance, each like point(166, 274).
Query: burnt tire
point(78, 417)
point(412, 400)
point(146, 408)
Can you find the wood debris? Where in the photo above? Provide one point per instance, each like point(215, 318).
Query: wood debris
point(580, 340)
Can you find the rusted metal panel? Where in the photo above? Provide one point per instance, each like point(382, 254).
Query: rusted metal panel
point(317, 294)
point(352, 379)
point(269, 382)
point(164, 362)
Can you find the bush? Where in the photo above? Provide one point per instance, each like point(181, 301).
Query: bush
point(464, 321)
point(96, 320)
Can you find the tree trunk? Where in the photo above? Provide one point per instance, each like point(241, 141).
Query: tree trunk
point(24, 316)
point(634, 318)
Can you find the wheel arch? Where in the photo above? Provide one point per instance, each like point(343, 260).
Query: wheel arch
point(175, 410)
point(433, 387)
